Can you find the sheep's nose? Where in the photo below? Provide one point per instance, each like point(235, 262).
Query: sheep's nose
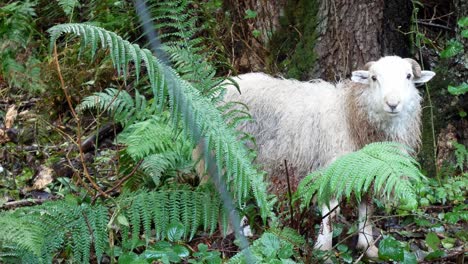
point(393, 104)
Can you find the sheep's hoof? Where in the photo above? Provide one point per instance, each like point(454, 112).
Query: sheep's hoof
point(372, 252)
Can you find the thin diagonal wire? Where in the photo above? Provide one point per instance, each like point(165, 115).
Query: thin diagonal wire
point(145, 19)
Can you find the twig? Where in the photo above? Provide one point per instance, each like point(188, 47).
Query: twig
point(364, 252)
point(76, 172)
point(434, 25)
point(435, 18)
point(331, 211)
point(78, 126)
point(90, 229)
point(119, 183)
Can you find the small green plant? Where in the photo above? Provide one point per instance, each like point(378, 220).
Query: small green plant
point(391, 249)
point(18, 64)
point(453, 48)
point(461, 154)
point(171, 250)
point(35, 234)
point(165, 251)
point(457, 214)
point(203, 256)
point(451, 190)
point(433, 244)
point(68, 7)
point(251, 14)
point(269, 248)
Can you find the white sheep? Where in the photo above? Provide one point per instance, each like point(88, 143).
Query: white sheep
point(310, 124)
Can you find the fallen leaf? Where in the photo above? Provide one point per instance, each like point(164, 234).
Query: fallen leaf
point(43, 178)
point(3, 136)
point(10, 116)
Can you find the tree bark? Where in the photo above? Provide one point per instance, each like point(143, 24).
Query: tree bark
point(351, 33)
point(348, 36)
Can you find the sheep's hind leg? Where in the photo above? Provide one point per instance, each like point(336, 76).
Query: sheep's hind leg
point(366, 239)
point(325, 237)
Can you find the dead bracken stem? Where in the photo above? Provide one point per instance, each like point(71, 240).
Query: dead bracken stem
point(78, 126)
point(120, 182)
point(289, 192)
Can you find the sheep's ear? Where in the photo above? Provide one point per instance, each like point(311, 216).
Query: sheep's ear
point(425, 77)
point(360, 77)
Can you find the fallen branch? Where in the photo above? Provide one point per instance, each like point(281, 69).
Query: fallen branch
point(459, 251)
point(25, 202)
point(107, 131)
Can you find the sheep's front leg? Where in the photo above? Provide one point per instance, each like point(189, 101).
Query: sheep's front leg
point(366, 239)
point(325, 237)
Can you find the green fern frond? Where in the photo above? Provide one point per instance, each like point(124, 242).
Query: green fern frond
point(40, 231)
point(385, 165)
point(17, 22)
point(154, 141)
point(18, 234)
point(147, 137)
point(68, 6)
point(194, 209)
point(290, 235)
point(178, 22)
point(119, 104)
point(197, 115)
point(155, 165)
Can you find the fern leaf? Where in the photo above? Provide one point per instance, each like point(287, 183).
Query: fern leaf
point(195, 210)
point(17, 231)
point(147, 137)
point(40, 231)
point(385, 165)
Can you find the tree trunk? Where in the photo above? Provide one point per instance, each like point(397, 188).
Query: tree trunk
point(348, 36)
point(351, 33)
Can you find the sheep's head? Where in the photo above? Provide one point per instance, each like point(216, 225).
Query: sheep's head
point(391, 84)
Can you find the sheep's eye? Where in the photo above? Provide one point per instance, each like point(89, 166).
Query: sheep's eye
point(408, 76)
point(374, 78)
